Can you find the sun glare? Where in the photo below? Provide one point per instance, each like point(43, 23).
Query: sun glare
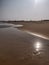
point(37, 46)
point(38, 1)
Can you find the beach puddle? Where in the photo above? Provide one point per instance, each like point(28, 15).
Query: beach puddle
point(6, 25)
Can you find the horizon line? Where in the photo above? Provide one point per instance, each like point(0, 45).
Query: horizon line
point(27, 20)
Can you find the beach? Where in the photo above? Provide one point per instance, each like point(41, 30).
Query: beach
point(20, 48)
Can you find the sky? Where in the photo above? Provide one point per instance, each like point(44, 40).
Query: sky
point(24, 9)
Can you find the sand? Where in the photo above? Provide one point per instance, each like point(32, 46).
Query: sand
point(39, 28)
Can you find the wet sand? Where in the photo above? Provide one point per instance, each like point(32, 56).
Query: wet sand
point(20, 48)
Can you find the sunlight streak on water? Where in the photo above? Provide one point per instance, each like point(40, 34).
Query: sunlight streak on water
point(41, 36)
